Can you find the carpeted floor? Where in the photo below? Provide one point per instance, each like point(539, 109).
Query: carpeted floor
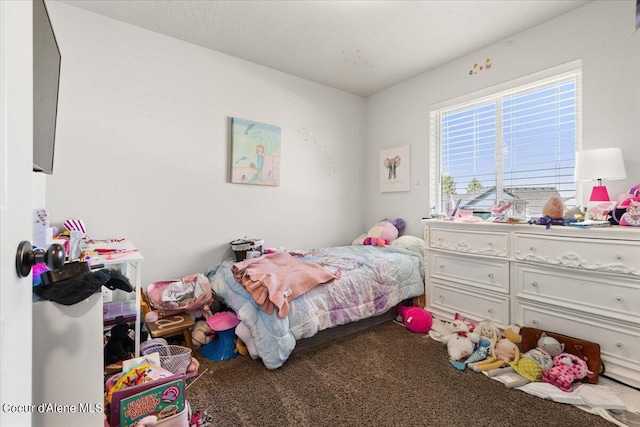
point(384, 376)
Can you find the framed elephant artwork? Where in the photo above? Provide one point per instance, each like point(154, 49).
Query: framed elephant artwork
point(394, 169)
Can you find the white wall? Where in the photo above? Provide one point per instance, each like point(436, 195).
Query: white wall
point(143, 134)
point(599, 34)
point(142, 148)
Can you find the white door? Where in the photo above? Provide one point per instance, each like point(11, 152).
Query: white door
point(16, 140)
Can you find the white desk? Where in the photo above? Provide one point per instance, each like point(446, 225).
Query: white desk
point(129, 262)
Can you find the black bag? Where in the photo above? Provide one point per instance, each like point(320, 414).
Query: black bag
point(75, 289)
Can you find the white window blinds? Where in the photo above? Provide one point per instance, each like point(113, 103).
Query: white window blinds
point(519, 143)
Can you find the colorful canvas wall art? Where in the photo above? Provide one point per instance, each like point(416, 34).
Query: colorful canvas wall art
point(394, 169)
point(255, 152)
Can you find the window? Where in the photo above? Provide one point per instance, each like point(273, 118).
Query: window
point(518, 143)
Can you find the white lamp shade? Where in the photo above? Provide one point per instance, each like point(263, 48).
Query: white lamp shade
point(601, 163)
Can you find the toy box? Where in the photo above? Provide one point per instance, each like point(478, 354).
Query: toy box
point(163, 398)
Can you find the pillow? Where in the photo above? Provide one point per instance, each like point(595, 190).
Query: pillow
point(411, 243)
point(360, 239)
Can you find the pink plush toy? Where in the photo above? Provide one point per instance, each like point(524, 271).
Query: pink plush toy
point(416, 319)
point(567, 369)
point(383, 232)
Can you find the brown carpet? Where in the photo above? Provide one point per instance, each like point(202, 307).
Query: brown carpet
point(384, 376)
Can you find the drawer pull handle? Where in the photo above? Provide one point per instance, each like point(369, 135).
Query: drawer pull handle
point(619, 299)
point(534, 284)
point(535, 322)
point(619, 257)
point(490, 310)
point(532, 249)
point(490, 275)
point(491, 244)
point(619, 345)
point(441, 266)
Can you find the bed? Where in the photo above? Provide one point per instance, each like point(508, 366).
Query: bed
point(370, 281)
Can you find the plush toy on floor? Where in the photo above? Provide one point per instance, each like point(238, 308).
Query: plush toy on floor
point(383, 232)
point(416, 319)
point(532, 363)
point(460, 342)
point(479, 354)
point(506, 350)
point(120, 345)
point(567, 369)
point(201, 334)
point(489, 336)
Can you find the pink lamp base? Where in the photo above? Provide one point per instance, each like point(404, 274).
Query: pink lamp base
point(599, 194)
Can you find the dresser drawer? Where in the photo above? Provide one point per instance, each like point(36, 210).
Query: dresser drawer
point(619, 344)
point(486, 273)
point(613, 256)
point(470, 242)
point(447, 300)
point(601, 294)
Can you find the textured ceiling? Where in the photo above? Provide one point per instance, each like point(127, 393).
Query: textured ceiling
point(361, 47)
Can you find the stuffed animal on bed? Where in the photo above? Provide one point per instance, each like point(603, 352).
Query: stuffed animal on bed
point(567, 369)
point(383, 232)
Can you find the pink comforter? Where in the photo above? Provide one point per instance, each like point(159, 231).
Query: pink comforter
point(275, 279)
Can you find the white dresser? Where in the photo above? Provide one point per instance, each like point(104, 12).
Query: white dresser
point(583, 283)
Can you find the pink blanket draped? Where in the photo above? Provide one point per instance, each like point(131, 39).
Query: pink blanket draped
point(275, 279)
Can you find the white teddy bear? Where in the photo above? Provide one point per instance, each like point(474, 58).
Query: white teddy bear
point(460, 342)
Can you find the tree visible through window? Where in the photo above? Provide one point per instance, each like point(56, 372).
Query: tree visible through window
point(517, 144)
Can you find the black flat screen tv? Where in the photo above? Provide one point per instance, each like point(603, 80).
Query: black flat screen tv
point(46, 80)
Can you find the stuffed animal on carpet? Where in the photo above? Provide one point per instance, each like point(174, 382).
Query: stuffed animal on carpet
point(489, 335)
point(460, 342)
point(416, 319)
point(201, 334)
point(383, 232)
point(470, 323)
point(506, 350)
point(532, 363)
point(194, 365)
point(566, 369)
point(120, 346)
point(480, 353)
point(489, 331)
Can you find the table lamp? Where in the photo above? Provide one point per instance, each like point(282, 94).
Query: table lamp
point(599, 164)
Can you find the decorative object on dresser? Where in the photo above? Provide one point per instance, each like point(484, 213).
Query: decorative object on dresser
point(599, 164)
point(582, 283)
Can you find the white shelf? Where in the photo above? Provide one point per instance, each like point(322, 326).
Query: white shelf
point(129, 262)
